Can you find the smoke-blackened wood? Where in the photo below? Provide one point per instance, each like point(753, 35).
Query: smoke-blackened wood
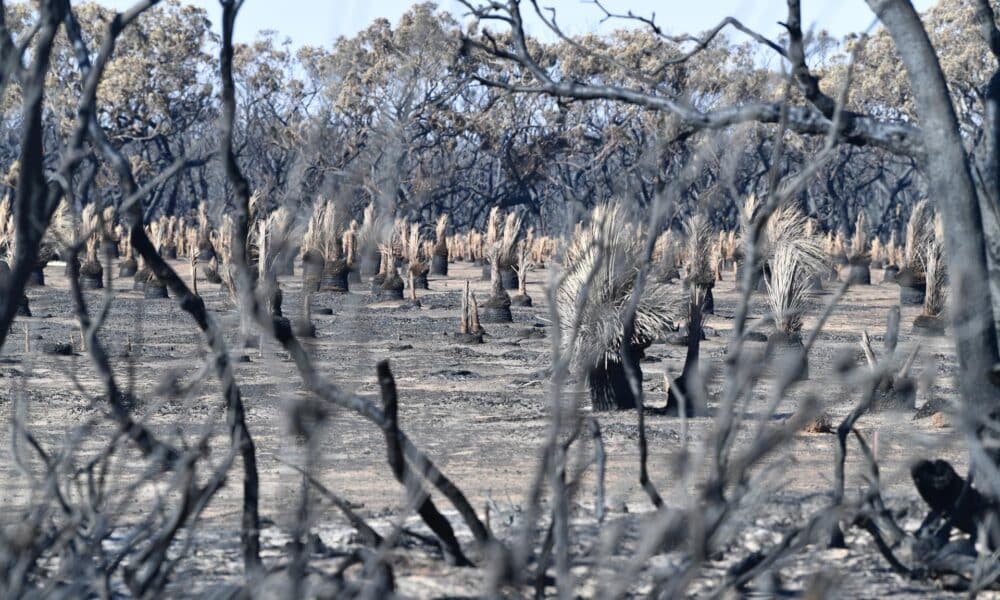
point(609, 387)
point(949, 495)
point(397, 462)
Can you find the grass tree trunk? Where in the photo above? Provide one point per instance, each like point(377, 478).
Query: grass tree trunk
point(949, 178)
point(496, 282)
point(609, 387)
point(682, 385)
point(609, 384)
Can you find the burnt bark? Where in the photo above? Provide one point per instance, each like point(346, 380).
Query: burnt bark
point(450, 547)
point(950, 180)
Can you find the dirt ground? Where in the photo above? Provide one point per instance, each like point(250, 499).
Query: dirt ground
point(480, 411)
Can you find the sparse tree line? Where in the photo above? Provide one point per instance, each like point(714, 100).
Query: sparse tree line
point(646, 167)
point(396, 113)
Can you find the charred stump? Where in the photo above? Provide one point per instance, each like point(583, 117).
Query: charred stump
point(91, 275)
point(312, 270)
point(912, 288)
point(127, 268)
point(609, 385)
point(333, 277)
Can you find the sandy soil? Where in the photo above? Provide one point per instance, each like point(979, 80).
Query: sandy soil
point(479, 411)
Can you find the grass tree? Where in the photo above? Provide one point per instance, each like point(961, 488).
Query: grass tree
point(500, 244)
point(912, 278)
point(128, 267)
point(368, 241)
point(699, 278)
point(416, 261)
point(167, 244)
point(388, 285)
point(666, 257)
point(524, 262)
point(788, 291)
point(151, 286)
point(350, 241)
point(441, 253)
point(474, 243)
point(312, 249)
point(931, 318)
point(858, 256)
point(601, 268)
point(333, 224)
point(91, 271)
point(893, 258)
point(206, 250)
point(787, 227)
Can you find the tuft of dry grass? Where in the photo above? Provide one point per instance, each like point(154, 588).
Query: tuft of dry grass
point(274, 236)
point(699, 265)
point(7, 237)
point(440, 236)
point(370, 231)
point(788, 289)
point(877, 251)
point(312, 241)
point(62, 230)
point(787, 227)
point(893, 253)
point(934, 271)
point(334, 222)
point(919, 231)
point(524, 262)
point(857, 250)
point(667, 254)
point(350, 241)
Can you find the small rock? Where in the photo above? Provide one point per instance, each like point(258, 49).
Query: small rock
point(835, 555)
point(455, 374)
point(821, 424)
point(400, 347)
point(323, 311)
point(940, 420)
point(243, 358)
point(754, 336)
point(57, 348)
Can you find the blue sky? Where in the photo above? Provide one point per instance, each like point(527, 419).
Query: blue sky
point(319, 22)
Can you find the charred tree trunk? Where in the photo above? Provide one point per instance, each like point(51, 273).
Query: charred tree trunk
point(990, 167)
point(34, 201)
point(947, 167)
